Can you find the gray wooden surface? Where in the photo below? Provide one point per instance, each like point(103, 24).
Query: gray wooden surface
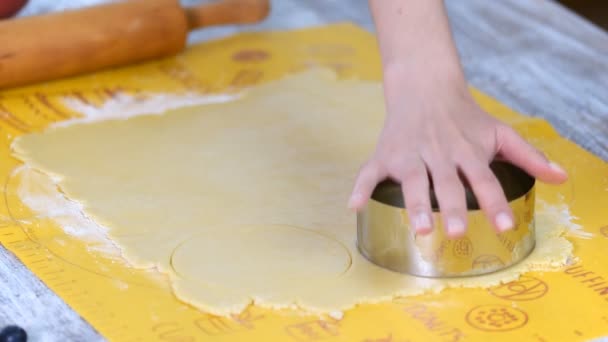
point(534, 56)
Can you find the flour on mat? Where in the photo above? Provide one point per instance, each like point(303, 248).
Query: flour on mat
point(562, 216)
point(337, 315)
point(123, 106)
point(40, 193)
point(121, 284)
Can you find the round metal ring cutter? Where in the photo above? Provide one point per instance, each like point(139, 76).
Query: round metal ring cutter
point(384, 236)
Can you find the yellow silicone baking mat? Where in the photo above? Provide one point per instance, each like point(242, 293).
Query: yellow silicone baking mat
point(126, 304)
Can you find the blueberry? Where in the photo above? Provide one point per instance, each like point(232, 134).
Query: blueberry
point(13, 333)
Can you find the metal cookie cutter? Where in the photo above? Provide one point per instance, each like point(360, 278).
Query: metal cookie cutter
point(384, 236)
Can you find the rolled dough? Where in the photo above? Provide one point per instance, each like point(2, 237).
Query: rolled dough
point(245, 202)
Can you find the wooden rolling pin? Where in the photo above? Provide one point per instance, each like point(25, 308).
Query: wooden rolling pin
point(47, 47)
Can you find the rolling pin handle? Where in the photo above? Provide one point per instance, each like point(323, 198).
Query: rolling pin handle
point(227, 12)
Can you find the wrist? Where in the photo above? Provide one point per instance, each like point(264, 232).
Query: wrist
point(423, 77)
point(423, 91)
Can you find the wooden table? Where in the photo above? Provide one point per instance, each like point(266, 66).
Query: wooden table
point(535, 56)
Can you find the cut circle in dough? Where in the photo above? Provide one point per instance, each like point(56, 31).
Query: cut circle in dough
point(259, 256)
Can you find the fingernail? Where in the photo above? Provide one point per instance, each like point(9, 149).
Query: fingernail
point(555, 167)
point(354, 200)
point(455, 226)
point(422, 222)
point(504, 222)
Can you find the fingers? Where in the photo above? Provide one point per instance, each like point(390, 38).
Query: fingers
point(513, 148)
point(414, 184)
point(451, 197)
point(369, 176)
point(489, 194)
point(415, 187)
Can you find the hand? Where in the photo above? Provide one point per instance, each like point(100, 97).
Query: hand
point(436, 129)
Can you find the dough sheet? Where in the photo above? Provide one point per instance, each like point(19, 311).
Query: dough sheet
point(244, 202)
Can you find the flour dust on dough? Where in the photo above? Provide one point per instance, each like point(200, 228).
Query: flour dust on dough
point(245, 202)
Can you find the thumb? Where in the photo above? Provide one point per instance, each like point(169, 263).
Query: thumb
point(515, 149)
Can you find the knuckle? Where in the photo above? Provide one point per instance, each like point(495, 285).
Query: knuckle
point(445, 179)
point(469, 153)
point(434, 146)
point(484, 180)
point(452, 196)
point(396, 163)
point(413, 174)
point(505, 129)
point(399, 163)
point(458, 206)
point(417, 206)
